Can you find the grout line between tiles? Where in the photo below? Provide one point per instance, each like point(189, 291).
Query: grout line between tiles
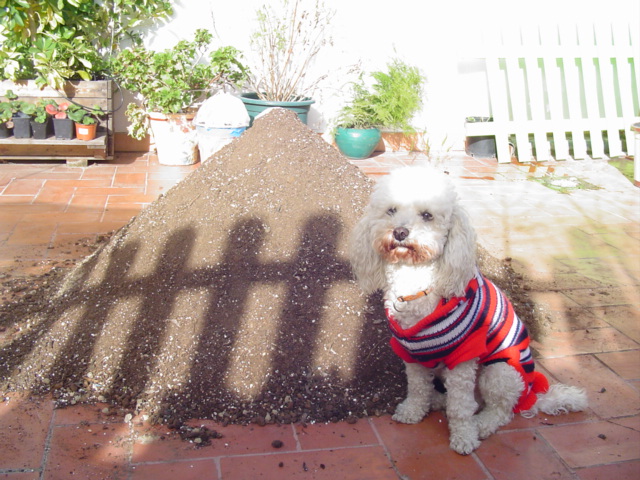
point(482, 466)
point(47, 445)
point(387, 453)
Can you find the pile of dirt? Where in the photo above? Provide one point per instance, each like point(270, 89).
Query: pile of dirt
point(228, 298)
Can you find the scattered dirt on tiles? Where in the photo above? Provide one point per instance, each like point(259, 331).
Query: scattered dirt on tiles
point(229, 298)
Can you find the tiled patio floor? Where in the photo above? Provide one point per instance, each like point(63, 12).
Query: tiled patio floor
point(588, 242)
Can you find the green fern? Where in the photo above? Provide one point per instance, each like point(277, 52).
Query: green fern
point(391, 103)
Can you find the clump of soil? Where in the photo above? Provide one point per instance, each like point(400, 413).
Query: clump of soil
point(229, 298)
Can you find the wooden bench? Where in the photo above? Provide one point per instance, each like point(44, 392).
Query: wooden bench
point(74, 152)
point(561, 92)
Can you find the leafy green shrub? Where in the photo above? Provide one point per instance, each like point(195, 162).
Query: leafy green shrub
point(390, 103)
point(85, 116)
point(175, 79)
point(56, 40)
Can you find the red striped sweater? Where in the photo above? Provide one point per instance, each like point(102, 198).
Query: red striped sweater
point(481, 325)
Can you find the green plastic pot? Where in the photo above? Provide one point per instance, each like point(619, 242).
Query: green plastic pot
point(255, 106)
point(357, 143)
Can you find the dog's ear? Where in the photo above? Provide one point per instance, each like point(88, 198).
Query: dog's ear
point(457, 265)
point(365, 261)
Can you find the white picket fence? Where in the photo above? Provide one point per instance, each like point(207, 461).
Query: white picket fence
point(563, 91)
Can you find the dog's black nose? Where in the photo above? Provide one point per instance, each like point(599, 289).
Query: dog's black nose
point(400, 233)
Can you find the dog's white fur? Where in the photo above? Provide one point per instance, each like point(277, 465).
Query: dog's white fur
point(438, 253)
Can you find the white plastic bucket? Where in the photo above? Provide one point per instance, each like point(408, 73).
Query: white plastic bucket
point(212, 139)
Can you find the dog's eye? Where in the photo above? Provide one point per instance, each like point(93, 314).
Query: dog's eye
point(426, 216)
point(392, 211)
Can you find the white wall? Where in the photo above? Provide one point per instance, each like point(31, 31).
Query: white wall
point(430, 34)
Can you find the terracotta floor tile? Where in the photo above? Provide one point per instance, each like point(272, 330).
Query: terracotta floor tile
point(82, 414)
point(31, 234)
point(89, 451)
point(132, 198)
point(158, 443)
point(90, 183)
point(161, 444)
point(80, 203)
point(54, 195)
point(23, 430)
point(598, 297)
point(25, 186)
point(625, 318)
point(522, 454)
point(156, 187)
point(594, 443)
point(102, 172)
point(366, 463)
point(31, 209)
point(90, 227)
point(608, 395)
point(17, 200)
point(69, 174)
point(121, 213)
point(62, 218)
point(605, 271)
point(183, 470)
point(339, 434)
point(124, 191)
point(422, 451)
point(618, 471)
point(625, 364)
point(576, 342)
point(128, 179)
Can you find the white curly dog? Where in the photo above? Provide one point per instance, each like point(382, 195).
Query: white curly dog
point(415, 242)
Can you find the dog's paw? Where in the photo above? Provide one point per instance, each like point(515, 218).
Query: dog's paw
point(463, 436)
point(485, 429)
point(410, 411)
point(462, 444)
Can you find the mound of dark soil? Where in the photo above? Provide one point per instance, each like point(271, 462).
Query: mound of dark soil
point(229, 298)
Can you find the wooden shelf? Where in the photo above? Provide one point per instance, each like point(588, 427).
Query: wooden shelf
point(74, 152)
point(99, 142)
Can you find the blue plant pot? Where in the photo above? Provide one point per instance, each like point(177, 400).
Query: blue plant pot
point(357, 143)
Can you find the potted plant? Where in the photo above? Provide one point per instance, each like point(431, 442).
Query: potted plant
point(20, 115)
point(5, 119)
point(62, 125)
point(52, 42)
point(390, 103)
point(86, 120)
point(40, 121)
point(481, 146)
point(285, 45)
point(172, 83)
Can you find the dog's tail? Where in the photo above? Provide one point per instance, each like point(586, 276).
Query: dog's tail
point(559, 399)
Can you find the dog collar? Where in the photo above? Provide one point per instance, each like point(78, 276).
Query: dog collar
point(420, 294)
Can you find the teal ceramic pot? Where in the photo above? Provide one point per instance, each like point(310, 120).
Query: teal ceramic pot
point(357, 143)
point(255, 106)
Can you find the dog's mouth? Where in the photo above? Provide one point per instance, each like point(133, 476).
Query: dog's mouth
point(401, 247)
point(406, 251)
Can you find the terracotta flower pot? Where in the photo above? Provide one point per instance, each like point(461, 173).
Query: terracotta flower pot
point(86, 132)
